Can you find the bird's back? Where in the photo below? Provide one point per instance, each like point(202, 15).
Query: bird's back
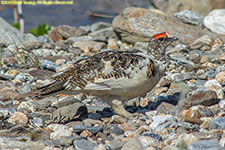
point(118, 74)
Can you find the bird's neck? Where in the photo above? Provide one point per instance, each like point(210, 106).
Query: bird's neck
point(155, 55)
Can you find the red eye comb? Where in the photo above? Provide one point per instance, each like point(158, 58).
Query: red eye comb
point(163, 35)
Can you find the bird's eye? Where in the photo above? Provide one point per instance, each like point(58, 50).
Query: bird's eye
point(161, 38)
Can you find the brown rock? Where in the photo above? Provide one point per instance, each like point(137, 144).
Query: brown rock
point(214, 85)
point(160, 90)
point(187, 138)
point(17, 118)
point(195, 113)
point(8, 94)
point(55, 36)
point(9, 61)
point(12, 72)
point(222, 57)
point(87, 46)
point(220, 77)
point(166, 108)
point(60, 61)
point(144, 102)
point(202, 7)
point(198, 97)
point(41, 74)
point(64, 114)
point(206, 122)
point(86, 133)
point(112, 44)
point(138, 24)
point(64, 32)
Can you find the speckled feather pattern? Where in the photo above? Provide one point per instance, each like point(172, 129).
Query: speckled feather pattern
point(113, 74)
point(109, 64)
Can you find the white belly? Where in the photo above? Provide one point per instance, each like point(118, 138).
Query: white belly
point(123, 88)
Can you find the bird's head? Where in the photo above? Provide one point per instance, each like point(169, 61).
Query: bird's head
point(158, 44)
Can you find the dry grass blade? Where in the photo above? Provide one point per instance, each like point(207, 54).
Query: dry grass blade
point(113, 6)
point(89, 13)
point(23, 54)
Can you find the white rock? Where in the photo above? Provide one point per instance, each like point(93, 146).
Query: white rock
point(29, 105)
point(146, 141)
point(215, 21)
point(159, 120)
point(59, 131)
point(134, 144)
point(187, 138)
point(214, 85)
point(222, 142)
point(222, 103)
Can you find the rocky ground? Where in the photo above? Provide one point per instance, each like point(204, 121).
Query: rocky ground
point(184, 111)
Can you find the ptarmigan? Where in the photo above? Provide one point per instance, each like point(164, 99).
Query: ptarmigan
point(114, 74)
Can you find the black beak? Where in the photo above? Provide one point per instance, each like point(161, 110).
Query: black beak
point(173, 39)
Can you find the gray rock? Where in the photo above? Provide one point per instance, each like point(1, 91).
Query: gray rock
point(198, 97)
point(99, 26)
point(214, 85)
point(30, 106)
point(43, 39)
point(157, 137)
point(47, 64)
point(8, 111)
point(200, 7)
point(78, 39)
point(194, 54)
point(187, 126)
point(218, 123)
point(66, 141)
point(43, 52)
point(211, 74)
point(65, 31)
point(117, 130)
point(69, 112)
point(138, 24)
point(222, 104)
point(115, 144)
point(86, 28)
point(215, 21)
point(83, 144)
point(64, 101)
point(205, 145)
point(103, 34)
point(11, 35)
point(38, 122)
point(200, 83)
point(95, 116)
point(178, 77)
point(189, 17)
point(161, 122)
point(24, 77)
point(7, 144)
point(45, 104)
point(132, 144)
point(80, 127)
point(182, 59)
point(220, 68)
point(39, 118)
point(166, 108)
point(59, 131)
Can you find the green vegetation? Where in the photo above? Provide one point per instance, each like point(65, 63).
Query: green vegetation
point(16, 25)
point(182, 145)
point(40, 30)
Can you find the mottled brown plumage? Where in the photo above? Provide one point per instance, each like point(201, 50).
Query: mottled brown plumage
point(114, 74)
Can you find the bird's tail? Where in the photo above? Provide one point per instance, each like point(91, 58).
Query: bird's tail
point(47, 89)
